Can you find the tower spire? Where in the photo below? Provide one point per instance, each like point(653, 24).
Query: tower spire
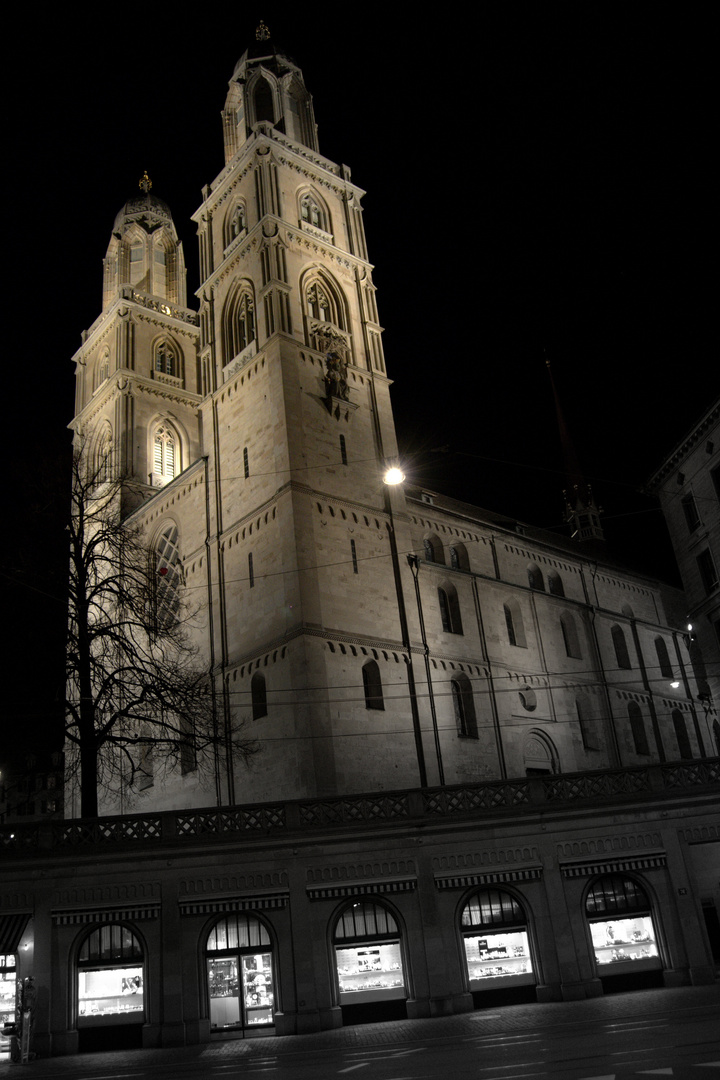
point(582, 513)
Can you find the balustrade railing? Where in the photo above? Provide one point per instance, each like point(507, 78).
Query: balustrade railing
point(524, 794)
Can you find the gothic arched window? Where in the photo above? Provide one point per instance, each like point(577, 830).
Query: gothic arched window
point(464, 707)
point(239, 322)
point(459, 557)
point(258, 693)
point(535, 578)
point(450, 610)
point(166, 454)
point(663, 659)
point(622, 655)
point(637, 729)
point(168, 578)
point(570, 635)
point(165, 358)
point(555, 584)
point(372, 686)
point(263, 101)
point(326, 310)
point(681, 734)
point(514, 624)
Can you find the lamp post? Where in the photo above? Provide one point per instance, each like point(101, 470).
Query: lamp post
point(393, 476)
point(414, 564)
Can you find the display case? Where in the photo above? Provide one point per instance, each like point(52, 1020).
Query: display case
point(370, 972)
point(623, 943)
point(110, 996)
point(501, 958)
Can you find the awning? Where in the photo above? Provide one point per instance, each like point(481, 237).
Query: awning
point(12, 928)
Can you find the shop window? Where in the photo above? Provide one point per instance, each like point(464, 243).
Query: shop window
point(663, 659)
point(622, 656)
point(7, 988)
point(494, 928)
point(240, 973)
point(621, 926)
point(111, 980)
point(683, 740)
point(372, 686)
point(368, 955)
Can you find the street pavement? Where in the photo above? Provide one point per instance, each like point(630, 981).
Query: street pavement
point(644, 1034)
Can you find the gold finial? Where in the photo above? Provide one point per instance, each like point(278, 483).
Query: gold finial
point(262, 33)
point(145, 182)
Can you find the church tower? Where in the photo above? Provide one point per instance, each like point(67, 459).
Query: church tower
point(136, 371)
point(297, 428)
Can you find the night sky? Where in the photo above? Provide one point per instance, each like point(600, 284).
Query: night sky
point(538, 187)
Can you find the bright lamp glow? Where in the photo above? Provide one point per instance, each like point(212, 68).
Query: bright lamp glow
point(675, 685)
point(394, 476)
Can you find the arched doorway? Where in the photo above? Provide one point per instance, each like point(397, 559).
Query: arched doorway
point(240, 974)
point(494, 929)
point(110, 988)
point(368, 957)
point(623, 932)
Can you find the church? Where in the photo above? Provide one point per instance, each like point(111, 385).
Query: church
point(486, 768)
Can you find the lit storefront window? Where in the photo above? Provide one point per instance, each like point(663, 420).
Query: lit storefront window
point(7, 988)
point(368, 955)
point(111, 981)
point(621, 926)
point(241, 982)
point(497, 947)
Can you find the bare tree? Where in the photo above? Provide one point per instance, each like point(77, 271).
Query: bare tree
point(136, 695)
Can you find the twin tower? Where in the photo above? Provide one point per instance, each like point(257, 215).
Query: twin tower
point(257, 429)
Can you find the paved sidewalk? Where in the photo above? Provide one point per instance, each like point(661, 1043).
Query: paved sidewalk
point(510, 1018)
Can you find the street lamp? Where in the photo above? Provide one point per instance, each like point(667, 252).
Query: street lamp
point(391, 478)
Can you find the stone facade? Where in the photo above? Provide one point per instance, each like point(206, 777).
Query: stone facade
point(299, 869)
point(260, 430)
point(688, 487)
point(466, 725)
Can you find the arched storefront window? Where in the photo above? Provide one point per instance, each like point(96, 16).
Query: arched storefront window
point(621, 926)
point(241, 978)
point(8, 984)
point(494, 927)
point(110, 978)
point(368, 955)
